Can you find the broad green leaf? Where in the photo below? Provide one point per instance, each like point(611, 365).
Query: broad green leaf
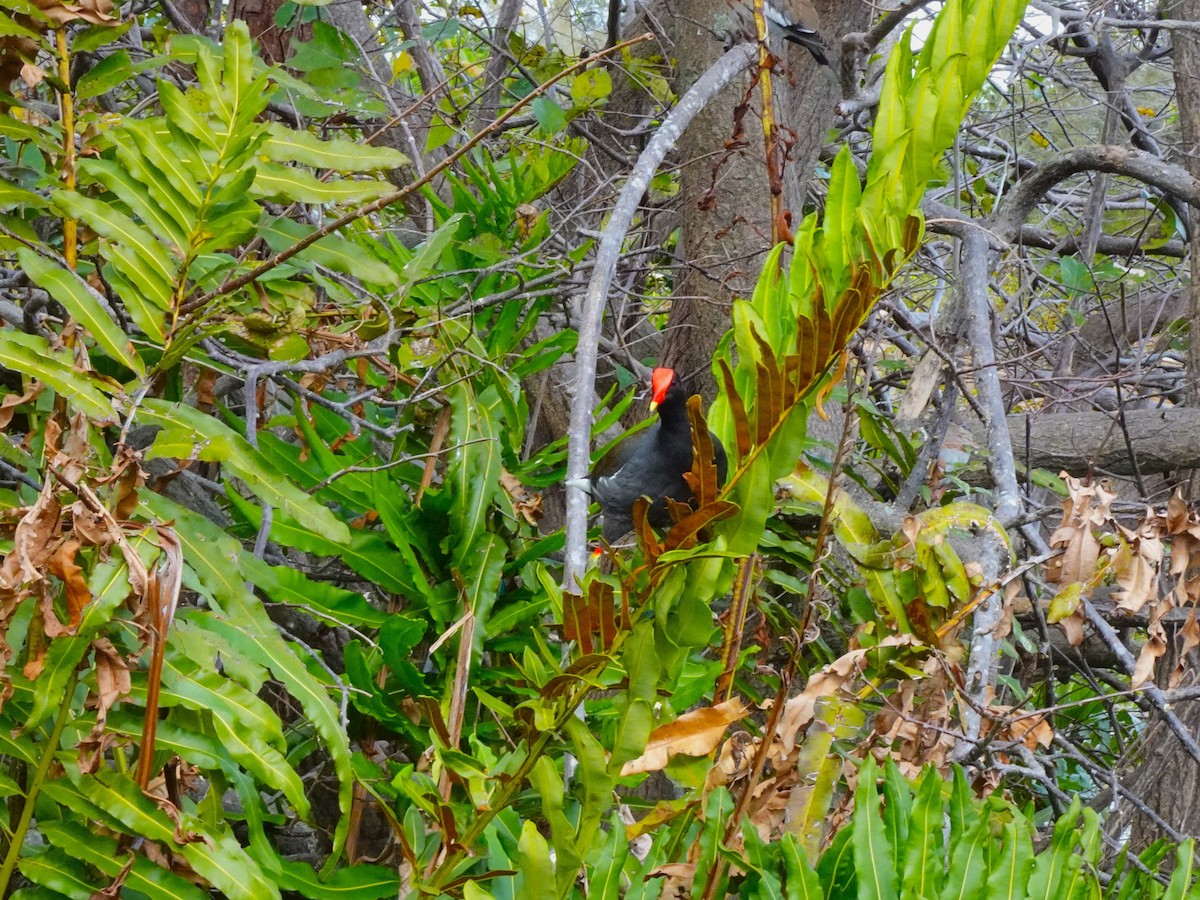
point(357, 882)
point(102, 853)
point(188, 431)
point(534, 867)
point(85, 305)
point(214, 557)
point(288, 145)
point(11, 195)
point(119, 228)
point(549, 115)
point(548, 782)
point(287, 183)
point(923, 855)
point(108, 73)
point(31, 355)
point(1054, 865)
point(216, 858)
point(331, 251)
point(800, 879)
point(605, 873)
point(118, 179)
point(872, 853)
point(59, 872)
point(1010, 868)
point(319, 598)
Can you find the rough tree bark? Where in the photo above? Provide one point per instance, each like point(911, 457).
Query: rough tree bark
point(1173, 799)
point(724, 195)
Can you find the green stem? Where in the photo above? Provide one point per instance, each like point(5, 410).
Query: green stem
point(35, 787)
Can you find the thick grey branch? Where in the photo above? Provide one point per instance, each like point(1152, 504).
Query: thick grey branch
point(1163, 440)
point(985, 638)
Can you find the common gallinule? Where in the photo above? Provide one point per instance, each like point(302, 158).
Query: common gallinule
point(651, 463)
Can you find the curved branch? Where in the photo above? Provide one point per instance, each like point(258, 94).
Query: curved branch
point(607, 255)
point(1169, 178)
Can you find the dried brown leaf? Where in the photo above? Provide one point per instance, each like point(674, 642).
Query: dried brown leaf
point(62, 564)
point(732, 763)
point(1072, 627)
point(95, 12)
point(525, 502)
point(695, 733)
point(33, 542)
point(1137, 565)
point(1190, 632)
point(112, 676)
point(10, 402)
point(1155, 647)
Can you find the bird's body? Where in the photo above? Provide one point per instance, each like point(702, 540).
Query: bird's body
point(798, 21)
point(651, 463)
point(795, 20)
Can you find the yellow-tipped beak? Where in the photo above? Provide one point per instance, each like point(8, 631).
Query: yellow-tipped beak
point(653, 405)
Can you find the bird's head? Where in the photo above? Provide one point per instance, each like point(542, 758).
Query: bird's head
point(661, 381)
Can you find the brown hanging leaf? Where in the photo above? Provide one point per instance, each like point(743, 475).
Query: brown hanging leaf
point(129, 476)
point(33, 542)
point(1086, 506)
point(769, 396)
point(10, 402)
point(732, 763)
point(703, 477)
point(525, 502)
point(737, 408)
point(577, 621)
point(695, 733)
point(683, 533)
point(94, 12)
point(62, 564)
point(112, 683)
point(112, 676)
point(677, 879)
point(1137, 565)
point(646, 537)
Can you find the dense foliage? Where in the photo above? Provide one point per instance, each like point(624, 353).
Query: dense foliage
point(273, 574)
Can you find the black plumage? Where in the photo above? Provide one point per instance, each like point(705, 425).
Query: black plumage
point(651, 463)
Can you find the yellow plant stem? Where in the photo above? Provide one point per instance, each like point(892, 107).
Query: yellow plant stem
point(770, 149)
point(67, 104)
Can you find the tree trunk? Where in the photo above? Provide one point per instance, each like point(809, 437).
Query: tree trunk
point(725, 195)
point(1165, 777)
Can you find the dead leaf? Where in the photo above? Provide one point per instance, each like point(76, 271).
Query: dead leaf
point(89, 526)
point(63, 566)
point(95, 12)
point(10, 402)
point(1191, 639)
point(1072, 627)
point(1155, 646)
point(1087, 506)
point(525, 502)
point(33, 542)
point(678, 878)
point(695, 733)
point(32, 74)
point(733, 762)
point(1137, 565)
